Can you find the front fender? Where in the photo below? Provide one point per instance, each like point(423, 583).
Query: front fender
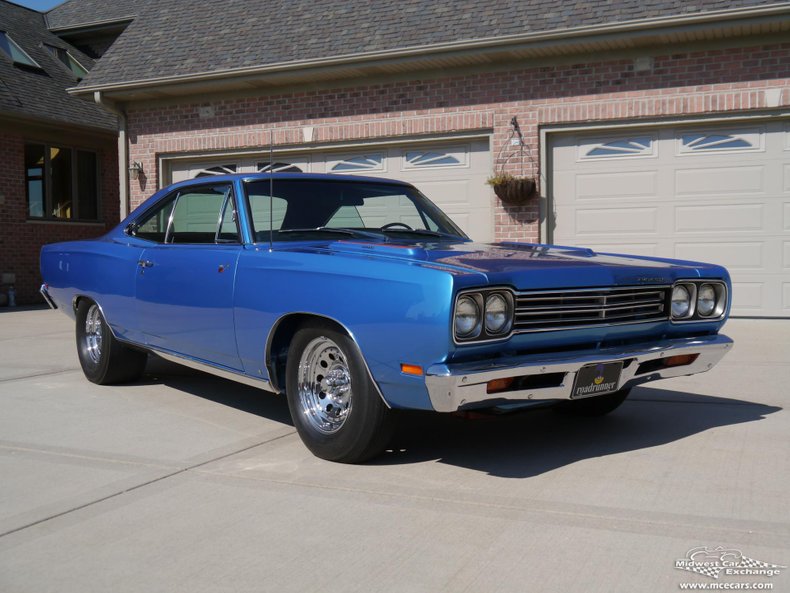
point(396, 313)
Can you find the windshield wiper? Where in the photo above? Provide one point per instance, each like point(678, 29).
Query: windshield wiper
point(339, 231)
point(423, 232)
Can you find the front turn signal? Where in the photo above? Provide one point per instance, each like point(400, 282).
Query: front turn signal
point(497, 385)
point(680, 360)
point(411, 369)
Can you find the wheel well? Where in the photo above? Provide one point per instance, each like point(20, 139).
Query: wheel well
point(280, 340)
point(76, 302)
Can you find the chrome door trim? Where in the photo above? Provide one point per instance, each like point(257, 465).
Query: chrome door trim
point(215, 370)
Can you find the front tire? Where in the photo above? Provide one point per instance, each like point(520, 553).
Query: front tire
point(104, 359)
point(334, 404)
point(599, 405)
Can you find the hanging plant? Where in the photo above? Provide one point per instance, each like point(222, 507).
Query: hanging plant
point(513, 189)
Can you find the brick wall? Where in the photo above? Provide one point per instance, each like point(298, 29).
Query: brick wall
point(677, 84)
point(20, 240)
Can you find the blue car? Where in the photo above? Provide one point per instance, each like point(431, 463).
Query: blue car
point(357, 297)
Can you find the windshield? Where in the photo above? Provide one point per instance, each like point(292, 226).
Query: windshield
point(311, 208)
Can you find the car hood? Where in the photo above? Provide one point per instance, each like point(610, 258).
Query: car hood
point(530, 266)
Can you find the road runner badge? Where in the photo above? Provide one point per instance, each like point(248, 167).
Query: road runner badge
point(713, 562)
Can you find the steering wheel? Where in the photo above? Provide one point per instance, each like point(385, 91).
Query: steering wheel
point(390, 225)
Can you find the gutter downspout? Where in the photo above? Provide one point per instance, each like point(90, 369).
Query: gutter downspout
point(123, 152)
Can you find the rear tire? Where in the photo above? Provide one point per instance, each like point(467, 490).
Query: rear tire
point(104, 359)
point(599, 405)
point(334, 403)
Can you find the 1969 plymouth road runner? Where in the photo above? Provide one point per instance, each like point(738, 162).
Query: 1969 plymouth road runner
point(357, 297)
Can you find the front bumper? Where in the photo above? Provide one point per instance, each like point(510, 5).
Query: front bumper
point(455, 386)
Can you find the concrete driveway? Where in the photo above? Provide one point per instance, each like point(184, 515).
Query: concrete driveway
point(185, 482)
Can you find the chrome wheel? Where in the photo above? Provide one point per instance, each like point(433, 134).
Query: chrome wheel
point(324, 384)
point(93, 333)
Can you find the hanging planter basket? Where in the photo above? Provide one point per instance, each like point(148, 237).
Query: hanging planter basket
point(514, 190)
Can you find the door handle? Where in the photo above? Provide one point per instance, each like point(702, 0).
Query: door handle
point(145, 263)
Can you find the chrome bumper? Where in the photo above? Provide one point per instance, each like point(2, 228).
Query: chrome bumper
point(45, 293)
point(455, 386)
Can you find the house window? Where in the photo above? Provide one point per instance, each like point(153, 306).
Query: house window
point(68, 60)
point(16, 53)
point(34, 172)
point(62, 183)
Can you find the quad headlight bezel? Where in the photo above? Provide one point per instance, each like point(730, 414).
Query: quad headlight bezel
point(486, 300)
point(697, 289)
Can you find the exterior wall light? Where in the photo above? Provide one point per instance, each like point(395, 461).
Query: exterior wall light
point(135, 169)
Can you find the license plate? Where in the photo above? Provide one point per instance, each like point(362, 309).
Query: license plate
point(597, 379)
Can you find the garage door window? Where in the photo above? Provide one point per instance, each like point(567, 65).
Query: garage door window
point(623, 147)
point(698, 142)
point(218, 170)
point(277, 167)
point(419, 159)
point(362, 162)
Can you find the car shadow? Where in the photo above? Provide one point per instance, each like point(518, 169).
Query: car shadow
point(537, 441)
point(222, 391)
point(22, 308)
point(517, 445)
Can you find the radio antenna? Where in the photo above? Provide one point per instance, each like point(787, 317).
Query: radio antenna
point(271, 189)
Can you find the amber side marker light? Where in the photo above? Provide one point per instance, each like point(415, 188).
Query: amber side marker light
point(680, 360)
point(497, 385)
point(411, 369)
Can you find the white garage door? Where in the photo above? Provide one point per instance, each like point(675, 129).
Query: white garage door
point(452, 175)
point(714, 194)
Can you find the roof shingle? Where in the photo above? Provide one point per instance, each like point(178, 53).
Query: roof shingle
point(81, 13)
point(182, 37)
point(41, 94)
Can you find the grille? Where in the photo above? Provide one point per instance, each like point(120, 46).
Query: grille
point(563, 309)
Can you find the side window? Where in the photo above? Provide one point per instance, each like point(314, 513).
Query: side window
point(228, 225)
point(154, 226)
point(203, 214)
point(196, 215)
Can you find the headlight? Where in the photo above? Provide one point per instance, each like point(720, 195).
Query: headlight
point(681, 302)
point(706, 300)
point(467, 317)
point(698, 300)
point(497, 314)
point(483, 315)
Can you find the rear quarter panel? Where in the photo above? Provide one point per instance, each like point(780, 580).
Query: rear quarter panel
point(100, 269)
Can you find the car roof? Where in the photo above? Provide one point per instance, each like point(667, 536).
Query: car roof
point(286, 176)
